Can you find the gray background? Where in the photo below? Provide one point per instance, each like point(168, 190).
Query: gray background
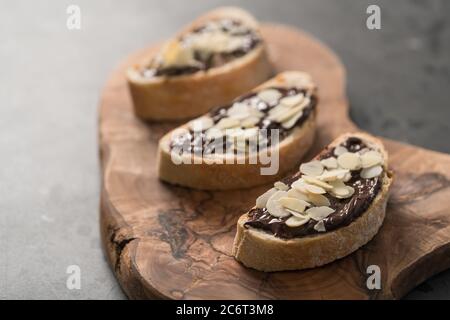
point(50, 79)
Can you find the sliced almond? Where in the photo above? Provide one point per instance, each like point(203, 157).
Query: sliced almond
point(239, 111)
point(288, 115)
point(330, 163)
point(340, 190)
point(292, 121)
point(292, 101)
point(227, 123)
point(320, 226)
point(269, 95)
point(310, 188)
point(337, 184)
point(318, 200)
point(200, 124)
point(347, 177)
point(349, 160)
point(300, 185)
point(277, 112)
point(371, 158)
point(339, 150)
point(249, 121)
point(274, 207)
point(319, 213)
point(317, 182)
point(296, 221)
point(294, 204)
point(313, 168)
point(333, 175)
point(175, 54)
point(281, 186)
point(255, 112)
point(298, 214)
point(261, 201)
point(294, 193)
point(372, 172)
point(343, 192)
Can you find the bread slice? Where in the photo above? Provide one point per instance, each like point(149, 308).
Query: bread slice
point(189, 95)
point(224, 176)
point(263, 251)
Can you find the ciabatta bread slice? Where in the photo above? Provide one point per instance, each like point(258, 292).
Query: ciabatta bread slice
point(210, 62)
point(297, 236)
point(284, 105)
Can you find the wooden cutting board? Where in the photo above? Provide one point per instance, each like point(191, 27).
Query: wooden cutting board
point(171, 242)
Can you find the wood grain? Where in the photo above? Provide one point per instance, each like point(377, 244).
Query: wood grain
point(172, 242)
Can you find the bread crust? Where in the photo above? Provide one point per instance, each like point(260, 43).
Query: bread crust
point(187, 96)
point(263, 251)
point(223, 176)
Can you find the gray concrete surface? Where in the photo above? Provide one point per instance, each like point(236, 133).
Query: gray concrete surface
point(50, 79)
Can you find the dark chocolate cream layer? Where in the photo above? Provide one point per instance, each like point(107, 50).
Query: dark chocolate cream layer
point(346, 210)
point(198, 143)
point(207, 60)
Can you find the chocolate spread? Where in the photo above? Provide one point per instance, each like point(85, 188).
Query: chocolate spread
point(209, 60)
point(198, 143)
point(346, 210)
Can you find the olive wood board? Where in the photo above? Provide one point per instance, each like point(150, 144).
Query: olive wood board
point(171, 242)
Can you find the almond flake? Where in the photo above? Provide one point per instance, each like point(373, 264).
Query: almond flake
point(277, 111)
point(343, 192)
point(347, 177)
point(340, 150)
point(298, 214)
point(261, 201)
point(337, 184)
point(226, 123)
point(287, 115)
point(318, 200)
point(292, 121)
point(314, 189)
point(293, 204)
point(330, 163)
point(274, 207)
point(200, 124)
point(255, 112)
point(349, 160)
point(317, 182)
point(371, 158)
point(319, 213)
point(238, 111)
point(300, 185)
point(320, 226)
point(281, 186)
point(270, 96)
point(372, 172)
point(292, 101)
point(333, 175)
point(313, 168)
point(294, 193)
point(296, 221)
point(249, 121)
